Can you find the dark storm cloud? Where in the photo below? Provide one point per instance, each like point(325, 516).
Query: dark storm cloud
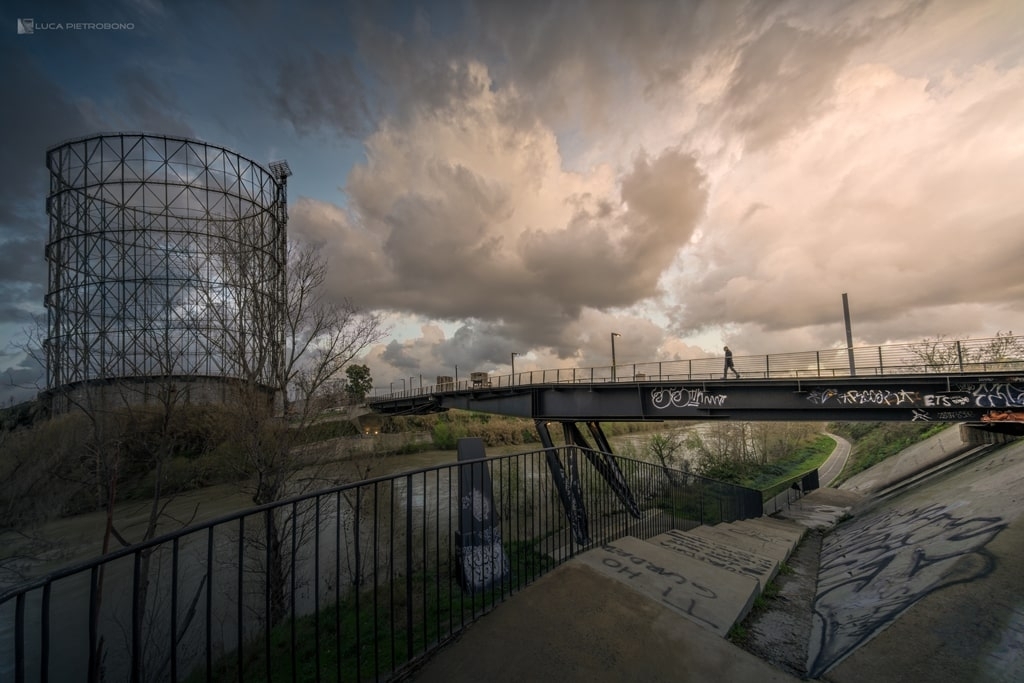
point(784, 76)
point(20, 381)
point(592, 262)
point(570, 57)
point(317, 90)
point(149, 105)
point(24, 280)
point(37, 115)
point(398, 357)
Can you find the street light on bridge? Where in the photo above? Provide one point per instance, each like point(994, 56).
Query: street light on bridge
point(513, 377)
point(614, 335)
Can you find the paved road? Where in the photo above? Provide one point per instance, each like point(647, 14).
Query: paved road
point(836, 462)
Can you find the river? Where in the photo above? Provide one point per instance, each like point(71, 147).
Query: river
point(78, 538)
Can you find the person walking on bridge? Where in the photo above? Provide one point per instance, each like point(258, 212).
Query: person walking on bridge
point(728, 365)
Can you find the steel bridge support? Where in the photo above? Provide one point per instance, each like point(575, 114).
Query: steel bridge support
point(567, 476)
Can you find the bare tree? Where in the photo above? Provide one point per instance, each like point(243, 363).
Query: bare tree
point(944, 352)
point(282, 346)
point(667, 450)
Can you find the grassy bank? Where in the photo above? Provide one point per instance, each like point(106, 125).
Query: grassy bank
point(873, 442)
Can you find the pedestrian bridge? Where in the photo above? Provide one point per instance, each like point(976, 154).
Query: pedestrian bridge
point(979, 380)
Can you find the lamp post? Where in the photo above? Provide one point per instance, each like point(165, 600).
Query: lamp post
point(849, 334)
point(402, 380)
point(512, 379)
point(614, 335)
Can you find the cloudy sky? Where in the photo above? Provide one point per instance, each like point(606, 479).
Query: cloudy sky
point(529, 177)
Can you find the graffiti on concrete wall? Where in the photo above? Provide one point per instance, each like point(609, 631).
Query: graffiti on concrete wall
point(871, 572)
point(681, 397)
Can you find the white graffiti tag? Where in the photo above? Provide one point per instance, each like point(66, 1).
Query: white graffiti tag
point(996, 395)
point(860, 397)
point(681, 397)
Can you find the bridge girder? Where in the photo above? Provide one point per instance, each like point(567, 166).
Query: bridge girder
point(900, 398)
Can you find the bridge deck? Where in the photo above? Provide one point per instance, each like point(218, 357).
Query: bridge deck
point(959, 382)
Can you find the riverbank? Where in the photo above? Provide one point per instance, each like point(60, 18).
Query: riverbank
point(63, 541)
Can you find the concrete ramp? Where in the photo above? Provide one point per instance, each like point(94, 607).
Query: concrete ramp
point(576, 624)
point(654, 610)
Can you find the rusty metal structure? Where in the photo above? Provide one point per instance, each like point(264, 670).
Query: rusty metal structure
point(167, 259)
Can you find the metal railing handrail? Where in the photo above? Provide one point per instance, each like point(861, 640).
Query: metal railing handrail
point(205, 596)
point(915, 358)
point(216, 521)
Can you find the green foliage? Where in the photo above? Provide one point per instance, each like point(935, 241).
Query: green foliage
point(327, 429)
point(757, 455)
point(359, 382)
point(738, 634)
point(382, 635)
point(873, 442)
point(807, 456)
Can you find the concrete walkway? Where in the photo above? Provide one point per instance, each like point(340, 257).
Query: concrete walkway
point(922, 587)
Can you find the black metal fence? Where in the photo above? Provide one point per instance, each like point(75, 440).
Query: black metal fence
point(351, 583)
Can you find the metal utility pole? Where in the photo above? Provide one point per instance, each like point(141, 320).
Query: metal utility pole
point(614, 335)
point(849, 334)
point(512, 379)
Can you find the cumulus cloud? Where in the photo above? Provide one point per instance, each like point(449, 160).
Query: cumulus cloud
point(897, 195)
point(315, 90)
point(531, 177)
point(466, 213)
point(479, 346)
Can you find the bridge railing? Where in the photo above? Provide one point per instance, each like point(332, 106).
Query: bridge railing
point(1004, 352)
point(353, 582)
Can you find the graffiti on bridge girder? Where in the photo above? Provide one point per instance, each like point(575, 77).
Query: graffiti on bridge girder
point(681, 397)
point(989, 395)
point(877, 397)
point(943, 416)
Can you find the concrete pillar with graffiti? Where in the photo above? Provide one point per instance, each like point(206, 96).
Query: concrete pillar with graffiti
point(481, 557)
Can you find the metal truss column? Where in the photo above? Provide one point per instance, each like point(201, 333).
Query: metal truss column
point(567, 481)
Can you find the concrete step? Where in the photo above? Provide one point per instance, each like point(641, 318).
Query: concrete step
point(724, 557)
point(782, 524)
point(698, 591)
point(751, 528)
point(759, 544)
point(790, 536)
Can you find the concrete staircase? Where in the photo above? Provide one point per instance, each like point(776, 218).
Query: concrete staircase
point(709, 575)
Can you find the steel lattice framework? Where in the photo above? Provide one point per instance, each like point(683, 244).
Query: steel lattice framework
point(167, 258)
